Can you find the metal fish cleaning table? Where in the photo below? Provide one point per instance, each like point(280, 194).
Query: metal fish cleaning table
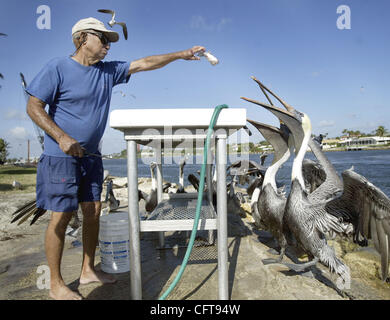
point(164, 129)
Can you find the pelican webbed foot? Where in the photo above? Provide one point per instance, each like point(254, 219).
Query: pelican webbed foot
point(302, 266)
point(272, 260)
point(273, 251)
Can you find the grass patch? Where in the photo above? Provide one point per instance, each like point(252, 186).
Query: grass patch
point(26, 176)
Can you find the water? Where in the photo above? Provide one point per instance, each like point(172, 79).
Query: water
point(373, 164)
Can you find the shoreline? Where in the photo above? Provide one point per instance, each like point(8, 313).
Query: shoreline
point(249, 153)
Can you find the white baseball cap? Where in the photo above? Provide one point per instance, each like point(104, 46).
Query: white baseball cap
point(95, 24)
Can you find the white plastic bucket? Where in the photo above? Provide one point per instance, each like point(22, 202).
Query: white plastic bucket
point(114, 242)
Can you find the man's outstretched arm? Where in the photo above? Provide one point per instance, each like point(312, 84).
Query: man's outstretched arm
point(159, 61)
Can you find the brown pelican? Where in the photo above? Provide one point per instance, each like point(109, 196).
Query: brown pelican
point(234, 199)
point(308, 220)
point(245, 170)
point(364, 206)
point(181, 175)
point(267, 202)
point(332, 183)
point(151, 198)
point(112, 22)
point(110, 199)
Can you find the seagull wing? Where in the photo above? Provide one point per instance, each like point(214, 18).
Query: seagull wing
point(1, 76)
point(107, 11)
point(3, 34)
point(368, 209)
point(124, 28)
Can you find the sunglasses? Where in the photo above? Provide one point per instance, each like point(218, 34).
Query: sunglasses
point(101, 36)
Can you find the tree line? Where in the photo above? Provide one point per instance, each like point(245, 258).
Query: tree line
point(381, 131)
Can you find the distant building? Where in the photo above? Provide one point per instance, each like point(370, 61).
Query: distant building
point(365, 141)
point(330, 143)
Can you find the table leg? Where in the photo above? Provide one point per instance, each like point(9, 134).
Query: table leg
point(161, 235)
point(134, 223)
point(222, 220)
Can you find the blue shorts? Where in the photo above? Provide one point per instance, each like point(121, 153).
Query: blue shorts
point(63, 182)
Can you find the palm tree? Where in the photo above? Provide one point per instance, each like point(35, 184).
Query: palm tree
point(381, 131)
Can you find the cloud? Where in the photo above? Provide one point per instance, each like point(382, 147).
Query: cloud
point(222, 23)
point(15, 115)
point(200, 23)
point(315, 74)
point(326, 123)
point(19, 133)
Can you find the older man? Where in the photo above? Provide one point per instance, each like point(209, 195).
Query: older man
point(78, 90)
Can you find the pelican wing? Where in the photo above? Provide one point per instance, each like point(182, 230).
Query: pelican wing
point(39, 212)
point(368, 209)
point(194, 181)
point(313, 174)
point(26, 211)
point(246, 167)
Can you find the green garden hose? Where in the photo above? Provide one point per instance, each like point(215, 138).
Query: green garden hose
point(214, 118)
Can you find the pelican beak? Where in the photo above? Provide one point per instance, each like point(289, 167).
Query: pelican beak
point(274, 136)
point(288, 118)
point(263, 88)
point(259, 125)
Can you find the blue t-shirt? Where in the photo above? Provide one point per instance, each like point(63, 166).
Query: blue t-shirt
point(79, 98)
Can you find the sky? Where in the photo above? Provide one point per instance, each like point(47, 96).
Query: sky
point(303, 50)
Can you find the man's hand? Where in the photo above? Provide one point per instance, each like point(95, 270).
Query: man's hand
point(36, 111)
point(190, 53)
point(70, 146)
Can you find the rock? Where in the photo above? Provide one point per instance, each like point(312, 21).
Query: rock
point(364, 264)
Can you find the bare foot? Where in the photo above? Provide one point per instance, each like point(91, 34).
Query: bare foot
point(62, 292)
point(96, 276)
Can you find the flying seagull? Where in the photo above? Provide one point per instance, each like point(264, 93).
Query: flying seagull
point(112, 22)
point(3, 34)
